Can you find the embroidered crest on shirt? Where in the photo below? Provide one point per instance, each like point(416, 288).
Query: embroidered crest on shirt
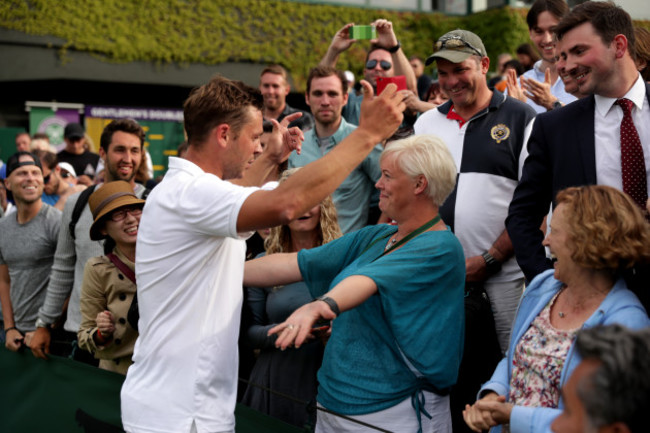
point(500, 132)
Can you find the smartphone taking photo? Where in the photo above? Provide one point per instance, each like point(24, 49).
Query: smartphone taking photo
point(363, 32)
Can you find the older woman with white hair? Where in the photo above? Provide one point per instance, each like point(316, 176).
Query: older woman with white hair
point(397, 296)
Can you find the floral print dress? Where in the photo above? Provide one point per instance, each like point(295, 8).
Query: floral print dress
point(538, 362)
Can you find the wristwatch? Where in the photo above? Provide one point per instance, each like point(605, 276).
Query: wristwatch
point(492, 265)
point(394, 49)
point(557, 104)
point(332, 304)
point(40, 323)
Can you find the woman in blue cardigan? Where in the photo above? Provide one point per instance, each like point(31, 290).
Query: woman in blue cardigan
point(596, 232)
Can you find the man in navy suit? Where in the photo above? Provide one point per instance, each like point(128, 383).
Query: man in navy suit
point(579, 144)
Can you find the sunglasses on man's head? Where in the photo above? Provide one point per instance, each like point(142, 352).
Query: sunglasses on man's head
point(454, 43)
point(385, 64)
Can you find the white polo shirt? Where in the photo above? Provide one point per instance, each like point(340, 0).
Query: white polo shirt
point(189, 269)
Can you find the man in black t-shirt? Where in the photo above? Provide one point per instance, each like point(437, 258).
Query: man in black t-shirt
point(75, 153)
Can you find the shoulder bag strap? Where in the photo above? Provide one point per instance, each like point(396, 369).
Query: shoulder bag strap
point(79, 206)
point(122, 266)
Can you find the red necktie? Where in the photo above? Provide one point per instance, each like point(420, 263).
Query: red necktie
point(635, 181)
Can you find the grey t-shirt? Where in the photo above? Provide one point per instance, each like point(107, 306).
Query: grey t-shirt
point(28, 251)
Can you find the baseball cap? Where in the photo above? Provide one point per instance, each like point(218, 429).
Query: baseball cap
point(456, 46)
point(68, 167)
point(73, 130)
point(14, 161)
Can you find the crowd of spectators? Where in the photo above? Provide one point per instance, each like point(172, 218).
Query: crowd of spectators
point(457, 254)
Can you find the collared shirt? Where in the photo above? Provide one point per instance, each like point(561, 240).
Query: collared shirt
point(607, 133)
point(557, 89)
point(489, 151)
point(352, 110)
point(189, 269)
point(452, 115)
point(352, 197)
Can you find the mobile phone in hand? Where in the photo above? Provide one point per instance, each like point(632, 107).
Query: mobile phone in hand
point(399, 80)
point(363, 32)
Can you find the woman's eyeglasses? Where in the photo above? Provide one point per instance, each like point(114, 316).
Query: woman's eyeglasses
point(120, 214)
point(385, 64)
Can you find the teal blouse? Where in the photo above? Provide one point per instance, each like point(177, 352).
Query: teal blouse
point(417, 315)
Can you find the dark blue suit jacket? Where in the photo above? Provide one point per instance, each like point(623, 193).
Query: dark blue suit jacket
point(561, 154)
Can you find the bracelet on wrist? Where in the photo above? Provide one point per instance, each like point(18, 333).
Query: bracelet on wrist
point(492, 265)
point(11, 328)
point(40, 323)
point(394, 49)
point(331, 303)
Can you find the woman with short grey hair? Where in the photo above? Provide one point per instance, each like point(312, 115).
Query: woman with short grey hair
point(395, 294)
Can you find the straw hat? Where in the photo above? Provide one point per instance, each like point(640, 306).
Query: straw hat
point(106, 199)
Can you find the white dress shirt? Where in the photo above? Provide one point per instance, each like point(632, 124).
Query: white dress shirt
point(607, 130)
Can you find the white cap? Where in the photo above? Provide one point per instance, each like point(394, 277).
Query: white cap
point(67, 167)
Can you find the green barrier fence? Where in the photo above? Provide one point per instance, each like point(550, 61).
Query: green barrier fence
point(61, 395)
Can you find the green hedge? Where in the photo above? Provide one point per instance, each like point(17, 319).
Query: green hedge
point(260, 31)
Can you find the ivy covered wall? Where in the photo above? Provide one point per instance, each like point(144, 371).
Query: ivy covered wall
point(260, 31)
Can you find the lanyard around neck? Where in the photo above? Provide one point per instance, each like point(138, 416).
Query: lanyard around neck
point(404, 240)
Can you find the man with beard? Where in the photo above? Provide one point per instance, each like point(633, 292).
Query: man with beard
point(385, 59)
point(326, 95)
point(121, 147)
point(602, 139)
point(27, 248)
point(274, 86)
point(56, 189)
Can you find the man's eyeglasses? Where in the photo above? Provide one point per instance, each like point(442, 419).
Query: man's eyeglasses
point(454, 43)
point(120, 214)
point(385, 64)
point(46, 179)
